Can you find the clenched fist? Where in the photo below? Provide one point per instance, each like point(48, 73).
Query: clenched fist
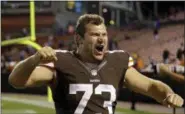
point(173, 100)
point(46, 54)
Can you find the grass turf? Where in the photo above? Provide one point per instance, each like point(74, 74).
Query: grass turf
point(9, 107)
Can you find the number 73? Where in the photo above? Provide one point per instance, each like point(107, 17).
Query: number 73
point(88, 91)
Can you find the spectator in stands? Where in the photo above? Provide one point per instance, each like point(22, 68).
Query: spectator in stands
point(180, 55)
point(156, 35)
point(30, 50)
point(139, 63)
point(166, 54)
point(182, 60)
point(25, 32)
point(61, 44)
point(22, 55)
point(151, 60)
point(157, 23)
point(70, 28)
point(156, 28)
point(71, 46)
point(50, 41)
point(113, 43)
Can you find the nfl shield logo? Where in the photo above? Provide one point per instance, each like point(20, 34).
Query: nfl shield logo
point(94, 72)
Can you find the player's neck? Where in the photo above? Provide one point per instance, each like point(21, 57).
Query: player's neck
point(85, 57)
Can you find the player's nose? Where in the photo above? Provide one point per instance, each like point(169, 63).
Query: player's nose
point(100, 40)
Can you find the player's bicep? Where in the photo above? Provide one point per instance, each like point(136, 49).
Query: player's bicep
point(136, 81)
point(40, 76)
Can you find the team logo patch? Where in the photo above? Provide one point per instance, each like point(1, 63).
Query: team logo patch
point(94, 72)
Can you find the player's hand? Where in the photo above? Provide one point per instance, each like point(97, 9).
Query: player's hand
point(46, 54)
point(173, 100)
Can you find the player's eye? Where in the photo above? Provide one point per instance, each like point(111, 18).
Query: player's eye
point(95, 34)
point(104, 34)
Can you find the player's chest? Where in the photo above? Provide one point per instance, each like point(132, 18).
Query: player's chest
point(104, 73)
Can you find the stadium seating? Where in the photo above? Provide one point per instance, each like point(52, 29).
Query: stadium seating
point(170, 38)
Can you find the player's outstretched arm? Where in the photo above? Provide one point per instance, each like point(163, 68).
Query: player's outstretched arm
point(27, 74)
point(153, 88)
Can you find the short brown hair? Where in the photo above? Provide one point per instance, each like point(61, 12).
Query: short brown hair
point(86, 19)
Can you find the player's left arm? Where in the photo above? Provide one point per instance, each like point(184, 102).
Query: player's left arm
point(153, 88)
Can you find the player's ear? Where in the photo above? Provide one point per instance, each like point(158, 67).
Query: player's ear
point(78, 39)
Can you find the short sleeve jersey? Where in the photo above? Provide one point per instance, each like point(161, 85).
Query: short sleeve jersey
point(81, 90)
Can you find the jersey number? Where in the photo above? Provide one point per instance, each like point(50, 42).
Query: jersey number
point(88, 91)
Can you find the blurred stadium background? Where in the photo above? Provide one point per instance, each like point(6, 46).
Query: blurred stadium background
point(152, 32)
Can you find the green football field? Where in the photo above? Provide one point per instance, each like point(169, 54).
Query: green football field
point(10, 107)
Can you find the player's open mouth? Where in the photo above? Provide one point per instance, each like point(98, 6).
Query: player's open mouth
point(99, 48)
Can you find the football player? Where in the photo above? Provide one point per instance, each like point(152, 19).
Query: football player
point(88, 79)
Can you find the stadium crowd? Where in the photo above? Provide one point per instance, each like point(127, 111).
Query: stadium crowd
point(161, 50)
point(165, 43)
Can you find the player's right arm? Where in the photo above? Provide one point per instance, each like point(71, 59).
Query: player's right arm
point(28, 73)
point(158, 90)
